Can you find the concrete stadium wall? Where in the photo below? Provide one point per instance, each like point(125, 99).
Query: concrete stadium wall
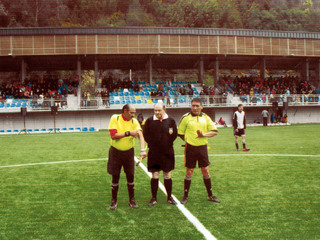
point(99, 119)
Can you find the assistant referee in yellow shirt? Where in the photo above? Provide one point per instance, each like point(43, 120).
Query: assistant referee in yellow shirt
point(195, 128)
point(124, 128)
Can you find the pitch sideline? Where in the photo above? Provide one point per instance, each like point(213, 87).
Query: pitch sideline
point(211, 155)
point(182, 208)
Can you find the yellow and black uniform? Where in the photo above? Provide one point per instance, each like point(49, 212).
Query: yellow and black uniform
point(121, 152)
point(196, 148)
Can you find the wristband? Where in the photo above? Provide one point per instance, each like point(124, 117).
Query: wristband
point(142, 150)
point(127, 133)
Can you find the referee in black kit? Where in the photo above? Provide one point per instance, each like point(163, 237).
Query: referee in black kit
point(160, 131)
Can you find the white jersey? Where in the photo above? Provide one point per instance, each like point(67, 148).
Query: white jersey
point(239, 120)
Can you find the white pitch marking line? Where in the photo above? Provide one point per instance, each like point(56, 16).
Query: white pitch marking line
point(257, 155)
point(48, 163)
point(182, 208)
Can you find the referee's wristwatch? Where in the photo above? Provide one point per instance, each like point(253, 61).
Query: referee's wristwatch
point(127, 133)
point(142, 150)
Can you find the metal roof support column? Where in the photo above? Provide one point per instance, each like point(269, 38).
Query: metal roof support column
point(96, 74)
point(305, 70)
point(263, 68)
point(216, 71)
point(201, 70)
point(79, 77)
point(318, 73)
point(149, 69)
point(23, 70)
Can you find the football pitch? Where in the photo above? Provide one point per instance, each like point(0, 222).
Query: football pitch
point(55, 186)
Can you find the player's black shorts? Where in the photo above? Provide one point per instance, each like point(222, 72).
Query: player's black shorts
point(240, 132)
point(194, 154)
point(118, 158)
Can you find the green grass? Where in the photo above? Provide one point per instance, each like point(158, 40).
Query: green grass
point(262, 196)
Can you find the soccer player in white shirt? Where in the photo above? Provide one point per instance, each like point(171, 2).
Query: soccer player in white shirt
point(239, 126)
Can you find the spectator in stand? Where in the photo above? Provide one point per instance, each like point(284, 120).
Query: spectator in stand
point(272, 118)
point(285, 118)
point(136, 88)
point(265, 115)
point(222, 122)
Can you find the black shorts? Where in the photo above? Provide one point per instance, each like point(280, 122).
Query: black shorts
point(240, 132)
point(194, 154)
point(118, 158)
point(158, 161)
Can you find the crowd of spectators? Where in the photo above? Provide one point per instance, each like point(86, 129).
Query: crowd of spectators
point(38, 87)
point(54, 87)
point(250, 85)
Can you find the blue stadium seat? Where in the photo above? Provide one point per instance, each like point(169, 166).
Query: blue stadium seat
point(78, 129)
point(36, 130)
point(116, 94)
point(139, 101)
point(111, 102)
point(131, 94)
point(84, 129)
point(91, 129)
point(121, 94)
point(50, 129)
point(30, 130)
point(18, 104)
point(133, 101)
point(1, 105)
point(9, 131)
point(64, 129)
point(128, 101)
point(16, 131)
point(1, 131)
point(126, 93)
point(123, 102)
point(71, 129)
point(43, 130)
point(117, 102)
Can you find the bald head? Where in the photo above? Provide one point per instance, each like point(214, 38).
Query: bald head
point(159, 110)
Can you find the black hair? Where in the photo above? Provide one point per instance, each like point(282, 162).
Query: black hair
point(198, 100)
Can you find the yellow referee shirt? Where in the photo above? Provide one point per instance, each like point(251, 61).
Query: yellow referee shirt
point(189, 125)
point(117, 122)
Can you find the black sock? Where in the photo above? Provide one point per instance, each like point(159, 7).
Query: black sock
point(130, 190)
point(115, 186)
point(114, 190)
point(207, 183)
point(154, 187)
point(244, 145)
point(237, 146)
point(187, 184)
point(168, 186)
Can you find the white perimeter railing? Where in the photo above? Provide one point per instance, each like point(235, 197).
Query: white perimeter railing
point(74, 103)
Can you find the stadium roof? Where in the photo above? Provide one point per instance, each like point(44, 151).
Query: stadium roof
point(157, 30)
point(170, 48)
